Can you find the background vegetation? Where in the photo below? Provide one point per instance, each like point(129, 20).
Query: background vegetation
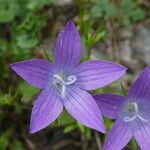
point(28, 29)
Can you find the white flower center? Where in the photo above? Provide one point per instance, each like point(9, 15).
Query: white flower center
point(60, 82)
point(133, 109)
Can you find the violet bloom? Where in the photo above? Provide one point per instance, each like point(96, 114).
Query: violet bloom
point(132, 113)
point(65, 82)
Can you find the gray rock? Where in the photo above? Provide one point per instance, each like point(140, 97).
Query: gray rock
point(126, 52)
point(140, 44)
point(63, 2)
point(98, 52)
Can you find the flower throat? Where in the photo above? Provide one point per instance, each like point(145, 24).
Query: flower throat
point(132, 109)
point(60, 81)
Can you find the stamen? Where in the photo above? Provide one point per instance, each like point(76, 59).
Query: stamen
point(63, 91)
point(71, 79)
point(136, 107)
point(136, 114)
point(61, 84)
point(129, 119)
point(141, 118)
point(58, 77)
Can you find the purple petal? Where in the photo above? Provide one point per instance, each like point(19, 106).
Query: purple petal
point(96, 74)
point(46, 109)
point(109, 104)
point(141, 87)
point(35, 71)
point(142, 135)
point(68, 47)
point(118, 137)
point(83, 108)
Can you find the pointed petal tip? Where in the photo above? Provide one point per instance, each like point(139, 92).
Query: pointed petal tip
point(102, 129)
point(33, 130)
point(123, 68)
point(99, 127)
point(70, 24)
point(13, 66)
point(147, 68)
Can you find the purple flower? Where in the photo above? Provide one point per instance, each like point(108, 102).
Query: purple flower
point(65, 82)
point(132, 113)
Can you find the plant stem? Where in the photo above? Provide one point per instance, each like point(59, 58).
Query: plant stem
point(84, 140)
point(123, 89)
point(46, 54)
point(98, 140)
point(89, 54)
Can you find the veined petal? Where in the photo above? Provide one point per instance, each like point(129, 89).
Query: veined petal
point(141, 87)
point(95, 74)
point(46, 109)
point(142, 135)
point(35, 71)
point(83, 108)
point(109, 104)
point(118, 137)
point(68, 47)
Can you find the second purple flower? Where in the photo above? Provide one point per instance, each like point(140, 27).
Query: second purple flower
point(132, 114)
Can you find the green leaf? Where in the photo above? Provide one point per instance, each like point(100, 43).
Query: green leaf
point(138, 14)
point(85, 130)
point(102, 3)
point(3, 46)
point(17, 145)
point(38, 4)
point(126, 21)
point(88, 133)
point(27, 41)
point(81, 127)
point(4, 139)
point(9, 9)
point(5, 99)
point(27, 91)
point(127, 6)
point(96, 11)
point(98, 36)
point(69, 128)
point(111, 10)
point(65, 119)
point(108, 123)
point(28, 32)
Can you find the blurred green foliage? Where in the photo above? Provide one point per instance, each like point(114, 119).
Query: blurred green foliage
point(124, 12)
point(38, 4)
point(24, 27)
point(9, 9)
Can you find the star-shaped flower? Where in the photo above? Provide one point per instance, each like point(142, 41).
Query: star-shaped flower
point(132, 113)
point(64, 83)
